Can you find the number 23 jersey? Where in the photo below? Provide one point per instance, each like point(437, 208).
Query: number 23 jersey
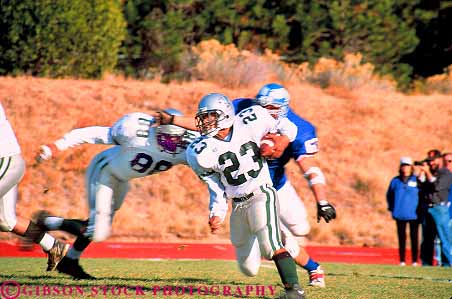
point(234, 165)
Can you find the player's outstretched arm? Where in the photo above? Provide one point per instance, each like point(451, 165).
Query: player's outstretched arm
point(317, 183)
point(163, 118)
point(93, 135)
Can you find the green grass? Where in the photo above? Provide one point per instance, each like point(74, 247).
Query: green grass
point(343, 280)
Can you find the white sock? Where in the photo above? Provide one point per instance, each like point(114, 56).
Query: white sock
point(74, 254)
point(47, 242)
point(53, 223)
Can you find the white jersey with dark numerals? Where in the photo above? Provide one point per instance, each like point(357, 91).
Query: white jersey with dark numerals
point(234, 168)
point(8, 141)
point(137, 153)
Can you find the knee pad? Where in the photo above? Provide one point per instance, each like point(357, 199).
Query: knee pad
point(7, 225)
point(102, 229)
point(249, 268)
point(100, 236)
point(292, 246)
point(7, 220)
point(300, 230)
point(266, 251)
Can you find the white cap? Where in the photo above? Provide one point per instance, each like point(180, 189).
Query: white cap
point(406, 160)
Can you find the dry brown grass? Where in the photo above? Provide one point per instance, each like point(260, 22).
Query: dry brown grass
point(362, 135)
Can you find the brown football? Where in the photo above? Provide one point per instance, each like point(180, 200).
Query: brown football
point(267, 147)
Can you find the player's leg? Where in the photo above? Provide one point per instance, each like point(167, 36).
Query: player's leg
point(71, 263)
point(294, 217)
point(246, 246)
point(293, 211)
point(11, 172)
point(263, 218)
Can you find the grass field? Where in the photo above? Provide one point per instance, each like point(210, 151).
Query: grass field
point(216, 279)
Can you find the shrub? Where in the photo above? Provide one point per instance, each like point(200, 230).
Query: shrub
point(439, 83)
point(232, 67)
point(60, 38)
point(349, 74)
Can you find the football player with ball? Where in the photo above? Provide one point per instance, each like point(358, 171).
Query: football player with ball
point(227, 158)
point(275, 98)
point(303, 149)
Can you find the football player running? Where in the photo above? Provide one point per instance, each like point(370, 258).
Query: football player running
point(12, 168)
point(227, 158)
point(275, 98)
point(141, 150)
point(303, 150)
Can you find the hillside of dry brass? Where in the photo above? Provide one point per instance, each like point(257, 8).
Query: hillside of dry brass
point(362, 135)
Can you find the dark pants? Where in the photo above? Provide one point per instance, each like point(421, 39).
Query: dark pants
point(401, 233)
point(428, 237)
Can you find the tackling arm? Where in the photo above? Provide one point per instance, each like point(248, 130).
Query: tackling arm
point(163, 118)
point(93, 135)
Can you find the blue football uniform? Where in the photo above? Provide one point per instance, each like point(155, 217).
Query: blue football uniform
point(305, 143)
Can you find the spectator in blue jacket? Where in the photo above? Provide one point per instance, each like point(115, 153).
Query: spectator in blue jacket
point(403, 199)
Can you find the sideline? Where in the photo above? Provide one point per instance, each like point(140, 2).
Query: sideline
point(342, 254)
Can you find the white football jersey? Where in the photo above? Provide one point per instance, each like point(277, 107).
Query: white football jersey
point(137, 153)
point(234, 168)
point(8, 141)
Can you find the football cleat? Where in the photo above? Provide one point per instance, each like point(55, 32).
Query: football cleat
point(317, 277)
point(56, 254)
point(73, 268)
point(294, 292)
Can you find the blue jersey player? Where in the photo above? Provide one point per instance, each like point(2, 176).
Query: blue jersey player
point(303, 150)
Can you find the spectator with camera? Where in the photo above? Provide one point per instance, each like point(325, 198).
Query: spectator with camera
point(435, 192)
point(403, 198)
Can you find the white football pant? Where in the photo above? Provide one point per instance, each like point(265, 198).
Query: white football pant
point(11, 172)
point(294, 218)
point(105, 196)
point(255, 230)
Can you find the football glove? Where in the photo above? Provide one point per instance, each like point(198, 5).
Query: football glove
point(46, 152)
point(326, 211)
point(164, 118)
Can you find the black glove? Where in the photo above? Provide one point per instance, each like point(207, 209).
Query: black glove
point(326, 211)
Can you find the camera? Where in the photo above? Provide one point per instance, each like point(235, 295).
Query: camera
point(419, 163)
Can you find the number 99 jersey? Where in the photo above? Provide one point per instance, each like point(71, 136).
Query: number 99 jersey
point(137, 153)
point(234, 167)
point(140, 154)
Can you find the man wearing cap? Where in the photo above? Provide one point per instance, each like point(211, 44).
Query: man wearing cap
point(403, 198)
point(438, 180)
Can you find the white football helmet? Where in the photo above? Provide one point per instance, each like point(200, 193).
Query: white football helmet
point(274, 95)
point(170, 137)
point(215, 112)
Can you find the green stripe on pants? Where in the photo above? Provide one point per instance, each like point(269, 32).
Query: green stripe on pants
point(7, 166)
point(271, 224)
point(275, 195)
